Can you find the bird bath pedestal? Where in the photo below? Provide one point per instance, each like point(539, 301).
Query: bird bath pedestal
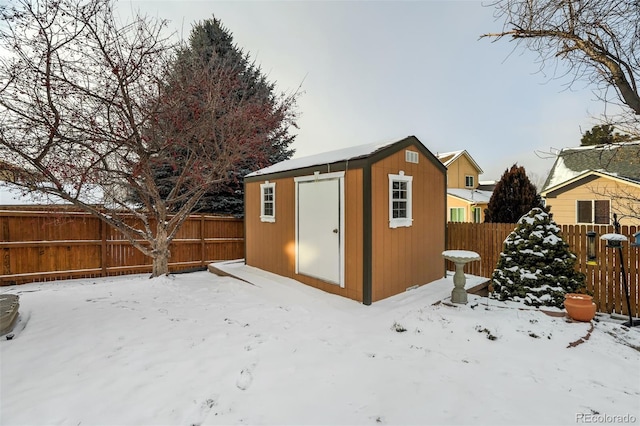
point(460, 258)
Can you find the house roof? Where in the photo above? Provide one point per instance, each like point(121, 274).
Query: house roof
point(470, 195)
point(447, 158)
point(331, 157)
point(487, 185)
point(613, 160)
point(587, 176)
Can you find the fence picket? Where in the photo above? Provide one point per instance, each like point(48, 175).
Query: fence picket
point(603, 279)
point(42, 246)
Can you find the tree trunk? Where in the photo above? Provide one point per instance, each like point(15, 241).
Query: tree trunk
point(161, 254)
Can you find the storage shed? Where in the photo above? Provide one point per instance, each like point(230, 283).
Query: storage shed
point(365, 222)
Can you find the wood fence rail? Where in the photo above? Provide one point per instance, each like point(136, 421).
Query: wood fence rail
point(603, 279)
point(43, 246)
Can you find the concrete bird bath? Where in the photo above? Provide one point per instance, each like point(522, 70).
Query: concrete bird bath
point(460, 258)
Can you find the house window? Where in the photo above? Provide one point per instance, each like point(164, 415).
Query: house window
point(456, 214)
point(400, 200)
point(268, 202)
point(476, 212)
point(593, 211)
point(468, 182)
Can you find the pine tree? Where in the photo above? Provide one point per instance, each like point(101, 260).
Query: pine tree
point(513, 196)
point(601, 135)
point(211, 43)
point(536, 265)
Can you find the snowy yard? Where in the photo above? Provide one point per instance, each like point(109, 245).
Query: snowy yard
point(195, 349)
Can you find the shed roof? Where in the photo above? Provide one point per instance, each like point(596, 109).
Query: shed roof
point(330, 157)
point(619, 160)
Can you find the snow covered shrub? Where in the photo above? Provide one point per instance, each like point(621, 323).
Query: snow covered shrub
point(536, 265)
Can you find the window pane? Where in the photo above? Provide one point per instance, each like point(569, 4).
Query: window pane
point(602, 211)
point(268, 209)
point(476, 214)
point(399, 191)
point(268, 194)
point(468, 181)
point(584, 211)
point(456, 214)
point(399, 209)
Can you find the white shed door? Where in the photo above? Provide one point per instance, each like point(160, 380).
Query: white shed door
point(318, 245)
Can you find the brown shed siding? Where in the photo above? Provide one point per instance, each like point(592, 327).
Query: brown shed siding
point(407, 256)
point(271, 246)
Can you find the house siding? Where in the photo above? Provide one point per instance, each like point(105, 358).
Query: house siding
point(407, 256)
point(453, 202)
point(563, 203)
point(458, 170)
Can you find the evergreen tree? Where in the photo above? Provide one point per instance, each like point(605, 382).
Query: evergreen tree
point(601, 135)
point(211, 45)
point(513, 196)
point(536, 265)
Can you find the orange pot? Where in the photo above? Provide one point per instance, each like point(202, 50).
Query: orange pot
point(580, 307)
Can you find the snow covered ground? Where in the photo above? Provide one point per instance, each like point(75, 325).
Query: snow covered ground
point(195, 349)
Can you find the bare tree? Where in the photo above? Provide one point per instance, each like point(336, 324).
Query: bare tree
point(89, 107)
point(596, 40)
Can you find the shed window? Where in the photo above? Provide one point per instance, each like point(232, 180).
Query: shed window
point(456, 214)
point(411, 157)
point(593, 211)
point(268, 202)
point(400, 195)
point(468, 181)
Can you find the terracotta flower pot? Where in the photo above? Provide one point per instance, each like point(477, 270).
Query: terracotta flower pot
point(580, 307)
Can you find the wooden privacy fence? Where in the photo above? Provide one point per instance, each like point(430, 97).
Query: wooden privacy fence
point(604, 279)
point(43, 246)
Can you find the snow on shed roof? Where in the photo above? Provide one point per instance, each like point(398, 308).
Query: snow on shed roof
point(345, 154)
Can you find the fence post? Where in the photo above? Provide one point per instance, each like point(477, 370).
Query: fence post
point(103, 247)
point(202, 244)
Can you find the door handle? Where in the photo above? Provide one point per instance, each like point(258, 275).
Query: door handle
point(335, 231)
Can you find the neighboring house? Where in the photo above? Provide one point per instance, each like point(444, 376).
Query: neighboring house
point(466, 199)
point(365, 222)
point(588, 184)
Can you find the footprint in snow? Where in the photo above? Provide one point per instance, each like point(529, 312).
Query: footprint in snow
point(245, 379)
point(200, 412)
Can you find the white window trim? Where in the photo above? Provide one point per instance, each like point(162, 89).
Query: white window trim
point(593, 212)
point(411, 156)
point(577, 210)
point(405, 221)
point(473, 214)
point(473, 181)
point(464, 214)
point(264, 217)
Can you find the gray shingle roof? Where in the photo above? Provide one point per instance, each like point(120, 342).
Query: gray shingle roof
point(622, 160)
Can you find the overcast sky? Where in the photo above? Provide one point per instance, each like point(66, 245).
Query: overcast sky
point(375, 71)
